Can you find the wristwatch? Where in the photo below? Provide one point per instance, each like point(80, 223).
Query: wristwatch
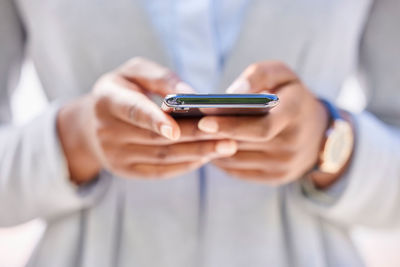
point(338, 143)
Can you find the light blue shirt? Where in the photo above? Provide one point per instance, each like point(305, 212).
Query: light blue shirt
point(198, 35)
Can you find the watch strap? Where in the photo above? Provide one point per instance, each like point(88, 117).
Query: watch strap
point(332, 109)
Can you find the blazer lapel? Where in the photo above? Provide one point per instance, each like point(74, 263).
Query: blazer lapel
point(300, 33)
point(265, 35)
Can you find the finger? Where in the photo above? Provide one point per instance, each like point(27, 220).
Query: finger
point(276, 144)
point(258, 128)
point(137, 109)
point(161, 170)
point(119, 132)
point(176, 153)
point(190, 131)
point(247, 160)
point(254, 146)
point(243, 128)
point(263, 76)
point(153, 77)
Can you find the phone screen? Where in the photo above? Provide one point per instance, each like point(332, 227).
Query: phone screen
point(190, 105)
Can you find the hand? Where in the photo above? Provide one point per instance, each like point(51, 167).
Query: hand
point(117, 127)
point(281, 146)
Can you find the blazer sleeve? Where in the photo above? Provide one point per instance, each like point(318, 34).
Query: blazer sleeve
point(34, 178)
point(369, 193)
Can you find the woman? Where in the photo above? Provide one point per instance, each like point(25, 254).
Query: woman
point(84, 164)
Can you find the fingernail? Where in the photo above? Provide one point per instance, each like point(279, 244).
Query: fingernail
point(239, 86)
point(166, 131)
point(208, 125)
point(226, 147)
point(184, 88)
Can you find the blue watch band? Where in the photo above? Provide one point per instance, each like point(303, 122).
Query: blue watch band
point(332, 109)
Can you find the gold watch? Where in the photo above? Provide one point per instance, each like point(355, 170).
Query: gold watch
point(339, 142)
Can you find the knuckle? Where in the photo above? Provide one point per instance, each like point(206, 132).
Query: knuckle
point(206, 148)
point(101, 105)
point(275, 65)
point(196, 133)
point(108, 77)
point(140, 170)
point(108, 150)
point(155, 136)
point(136, 61)
point(102, 132)
point(287, 155)
point(112, 158)
point(156, 172)
point(257, 175)
point(169, 79)
point(278, 65)
point(139, 98)
point(271, 176)
point(291, 163)
point(263, 134)
point(287, 176)
point(133, 113)
point(133, 65)
point(256, 73)
point(254, 68)
point(134, 110)
point(131, 171)
point(163, 152)
point(115, 166)
point(229, 127)
point(267, 67)
point(295, 140)
point(264, 66)
point(105, 78)
point(104, 83)
point(282, 174)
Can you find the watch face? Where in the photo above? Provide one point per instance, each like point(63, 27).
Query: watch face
point(338, 147)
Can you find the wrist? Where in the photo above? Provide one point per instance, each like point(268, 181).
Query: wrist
point(336, 151)
point(72, 125)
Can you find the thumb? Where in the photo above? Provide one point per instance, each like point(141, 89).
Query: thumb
point(152, 77)
point(240, 86)
point(267, 76)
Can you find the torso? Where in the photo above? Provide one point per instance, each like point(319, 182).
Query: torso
point(157, 223)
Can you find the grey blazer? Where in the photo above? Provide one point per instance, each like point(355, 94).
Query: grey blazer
point(122, 222)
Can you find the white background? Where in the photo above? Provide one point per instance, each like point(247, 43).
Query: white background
point(380, 249)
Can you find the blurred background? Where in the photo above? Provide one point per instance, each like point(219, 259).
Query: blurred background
point(379, 248)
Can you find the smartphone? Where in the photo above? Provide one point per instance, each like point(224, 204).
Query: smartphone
point(197, 105)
